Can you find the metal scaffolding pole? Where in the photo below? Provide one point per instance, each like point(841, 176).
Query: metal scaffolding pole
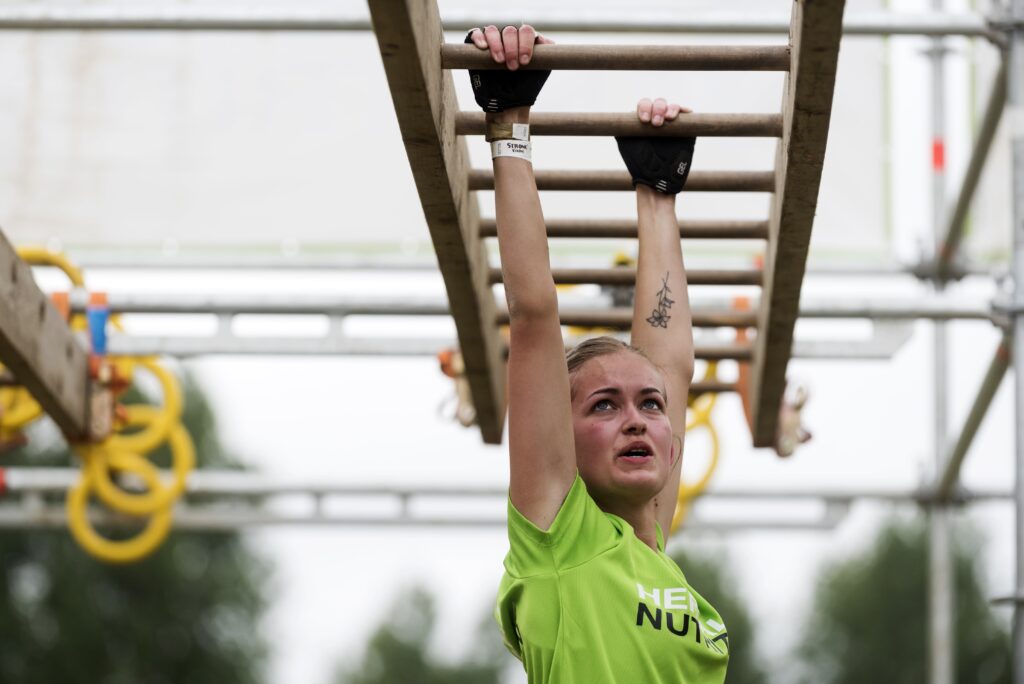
point(941, 624)
point(126, 17)
point(1015, 100)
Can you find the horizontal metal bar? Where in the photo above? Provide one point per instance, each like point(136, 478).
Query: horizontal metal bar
point(615, 124)
point(271, 304)
point(127, 17)
point(613, 228)
point(698, 181)
point(627, 276)
point(214, 345)
point(941, 309)
point(629, 57)
point(208, 484)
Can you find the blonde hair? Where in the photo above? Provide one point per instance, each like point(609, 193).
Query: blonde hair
point(594, 347)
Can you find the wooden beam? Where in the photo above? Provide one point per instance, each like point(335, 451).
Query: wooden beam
point(627, 276)
point(612, 124)
point(815, 32)
point(39, 349)
point(630, 57)
point(698, 181)
point(615, 228)
point(410, 37)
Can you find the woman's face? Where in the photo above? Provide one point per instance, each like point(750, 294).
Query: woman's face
point(622, 432)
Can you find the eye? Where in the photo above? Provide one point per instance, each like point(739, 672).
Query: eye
point(651, 405)
point(602, 405)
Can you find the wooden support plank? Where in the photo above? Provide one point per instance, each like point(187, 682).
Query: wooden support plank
point(39, 349)
point(613, 228)
point(410, 37)
point(698, 181)
point(815, 32)
point(627, 276)
point(612, 124)
point(631, 57)
point(621, 318)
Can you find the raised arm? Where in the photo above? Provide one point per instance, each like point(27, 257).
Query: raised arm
point(662, 324)
point(541, 451)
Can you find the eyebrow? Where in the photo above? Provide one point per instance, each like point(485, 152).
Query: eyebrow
point(617, 391)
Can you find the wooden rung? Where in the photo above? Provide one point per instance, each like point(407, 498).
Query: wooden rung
point(630, 57)
point(704, 386)
point(738, 351)
point(627, 276)
point(699, 181)
point(611, 228)
point(610, 124)
point(622, 318)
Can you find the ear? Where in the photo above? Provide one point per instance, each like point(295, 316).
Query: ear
point(676, 452)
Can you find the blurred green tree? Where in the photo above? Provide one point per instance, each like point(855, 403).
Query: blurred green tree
point(869, 621)
point(708, 576)
point(399, 650)
point(188, 613)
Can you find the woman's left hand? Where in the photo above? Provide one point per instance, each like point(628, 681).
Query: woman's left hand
point(658, 111)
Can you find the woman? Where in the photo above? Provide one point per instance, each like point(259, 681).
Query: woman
point(595, 438)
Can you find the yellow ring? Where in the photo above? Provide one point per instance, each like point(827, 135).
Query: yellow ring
point(183, 457)
point(160, 424)
point(129, 550)
point(20, 409)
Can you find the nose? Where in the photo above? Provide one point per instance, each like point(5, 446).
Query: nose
point(634, 423)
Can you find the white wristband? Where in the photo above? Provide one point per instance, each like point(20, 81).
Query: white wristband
point(511, 148)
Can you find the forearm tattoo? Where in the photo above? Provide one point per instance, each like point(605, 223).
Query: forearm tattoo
point(659, 318)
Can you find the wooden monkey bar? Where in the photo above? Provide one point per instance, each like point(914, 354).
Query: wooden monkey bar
point(630, 57)
point(613, 228)
point(611, 124)
point(698, 181)
point(418, 64)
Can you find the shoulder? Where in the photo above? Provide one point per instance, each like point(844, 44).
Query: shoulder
point(579, 532)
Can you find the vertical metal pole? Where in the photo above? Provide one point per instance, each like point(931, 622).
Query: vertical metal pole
point(1015, 101)
point(941, 639)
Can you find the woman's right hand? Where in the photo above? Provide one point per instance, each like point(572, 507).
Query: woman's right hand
point(658, 111)
point(511, 45)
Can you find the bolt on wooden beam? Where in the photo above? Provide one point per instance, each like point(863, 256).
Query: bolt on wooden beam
point(698, 181)
point(615, 124)
point(627, 276)
point(630, 57)
point(614, 228)
point(39, 349)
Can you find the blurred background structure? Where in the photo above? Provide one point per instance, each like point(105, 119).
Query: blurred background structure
point(232, 177)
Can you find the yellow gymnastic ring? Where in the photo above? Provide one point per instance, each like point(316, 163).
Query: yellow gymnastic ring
point(701, 407)
point(129, 550)
point(183, 458)
point(160, 422)
point(19, 408)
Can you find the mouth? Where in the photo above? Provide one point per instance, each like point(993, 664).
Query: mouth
point(637, 452)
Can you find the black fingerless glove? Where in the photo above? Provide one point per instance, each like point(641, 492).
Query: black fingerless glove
point(662, 163)
point(496, 90)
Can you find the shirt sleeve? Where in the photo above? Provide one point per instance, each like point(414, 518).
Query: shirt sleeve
point(579, 532)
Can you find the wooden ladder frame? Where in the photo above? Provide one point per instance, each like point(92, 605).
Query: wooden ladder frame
point(418, 63)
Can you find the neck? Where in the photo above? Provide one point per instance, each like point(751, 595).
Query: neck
point(640, 516)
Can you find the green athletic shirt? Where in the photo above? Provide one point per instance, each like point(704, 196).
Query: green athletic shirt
point(587, 602)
